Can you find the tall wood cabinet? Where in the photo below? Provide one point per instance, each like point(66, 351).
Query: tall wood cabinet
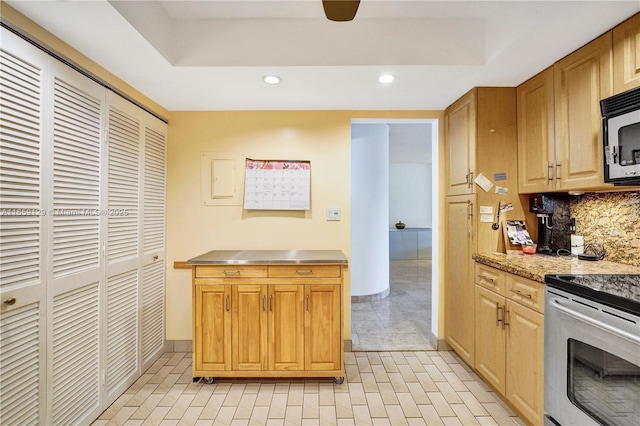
point(626, 55)
point(509, 330)
point(481, 138)
point(267, 320)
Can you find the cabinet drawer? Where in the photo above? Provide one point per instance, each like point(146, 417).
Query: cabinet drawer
point(231, 271)
point(526, 292)
point(315, 271)
point(490, 278)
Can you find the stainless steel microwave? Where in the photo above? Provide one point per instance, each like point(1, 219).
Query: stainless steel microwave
point(621, 129)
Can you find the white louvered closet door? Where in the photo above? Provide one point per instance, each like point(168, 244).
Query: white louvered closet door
point(123, 245)
point(153, 238)
point(22, 265)
point(75, 271)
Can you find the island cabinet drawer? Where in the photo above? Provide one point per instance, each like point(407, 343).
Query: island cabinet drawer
point(302, 271)
point(526, 292)
point(490, 278)
point(231, 271)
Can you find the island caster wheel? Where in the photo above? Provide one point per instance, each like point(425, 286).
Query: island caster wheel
point(205, 380)
point(338, 380)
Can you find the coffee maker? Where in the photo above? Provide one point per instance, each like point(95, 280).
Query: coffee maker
point(543, 208)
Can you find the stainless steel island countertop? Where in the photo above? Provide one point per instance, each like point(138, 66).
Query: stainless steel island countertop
point(271, 257)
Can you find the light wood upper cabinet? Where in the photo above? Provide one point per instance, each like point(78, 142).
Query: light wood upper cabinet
point(581, 80)
point(536, 133)
point(626, 55)
point(460, 133)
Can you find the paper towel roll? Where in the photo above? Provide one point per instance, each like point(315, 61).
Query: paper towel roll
point(577, 244)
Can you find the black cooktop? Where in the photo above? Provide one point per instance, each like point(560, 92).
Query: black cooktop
point(618, 291)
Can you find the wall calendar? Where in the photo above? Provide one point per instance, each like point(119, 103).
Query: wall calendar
point(277, 185)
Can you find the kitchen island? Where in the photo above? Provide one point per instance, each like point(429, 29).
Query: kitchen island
point(268, 313)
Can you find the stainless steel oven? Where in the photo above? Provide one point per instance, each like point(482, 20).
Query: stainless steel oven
point(592, 350)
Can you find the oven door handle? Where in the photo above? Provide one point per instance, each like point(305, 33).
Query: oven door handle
point(555, 303)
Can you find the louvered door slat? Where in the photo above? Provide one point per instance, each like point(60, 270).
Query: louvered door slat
point(154, 190)
point(152, 309)
point(123, 176)
point(75, 354)
point(20, 158)
point(19, 352)
point(122, 328)
point(76, 180)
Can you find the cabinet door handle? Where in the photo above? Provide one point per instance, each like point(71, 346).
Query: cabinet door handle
point(271, 303)
point(558, 175)
point(10, 301)
point(227, 303)
point(498, 319)
point(549, 171)
point(307, 302)
point(470, 180)
point(304, 271)
point(264, 303)
point(505, 316)
point(484, 277)
point(521, 294)
point(234, 272)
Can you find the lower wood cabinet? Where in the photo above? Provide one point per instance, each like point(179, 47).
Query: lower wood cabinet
point(510, 338)
point(268, 322)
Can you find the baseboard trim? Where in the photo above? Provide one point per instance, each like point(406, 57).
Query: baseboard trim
point(179, 346)
point(442, 345)
point(371, 297)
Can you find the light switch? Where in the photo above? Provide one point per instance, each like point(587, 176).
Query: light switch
point(333, 213)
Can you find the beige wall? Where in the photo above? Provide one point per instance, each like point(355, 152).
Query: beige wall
point(323, 137)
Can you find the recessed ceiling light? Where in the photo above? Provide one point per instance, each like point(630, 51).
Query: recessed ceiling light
point(386, 78)
point(271, 79)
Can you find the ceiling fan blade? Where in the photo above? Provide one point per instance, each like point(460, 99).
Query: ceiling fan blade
point(340, 10)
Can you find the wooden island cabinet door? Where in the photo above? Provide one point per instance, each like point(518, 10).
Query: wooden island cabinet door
point(212, 328)
point(286, 327)
point(249, 330)
point(323, 327)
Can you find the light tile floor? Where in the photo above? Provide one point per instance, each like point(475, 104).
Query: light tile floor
point(380, 388)
point(402, 320)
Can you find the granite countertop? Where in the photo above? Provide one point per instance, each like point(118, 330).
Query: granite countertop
point(271, 257)
point(536, 266)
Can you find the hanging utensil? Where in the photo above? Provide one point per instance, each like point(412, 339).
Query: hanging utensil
point(496, 225)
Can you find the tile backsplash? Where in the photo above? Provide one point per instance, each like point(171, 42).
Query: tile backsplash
point(611, 220)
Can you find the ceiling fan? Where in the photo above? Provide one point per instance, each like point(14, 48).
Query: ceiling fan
point(340, 10)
